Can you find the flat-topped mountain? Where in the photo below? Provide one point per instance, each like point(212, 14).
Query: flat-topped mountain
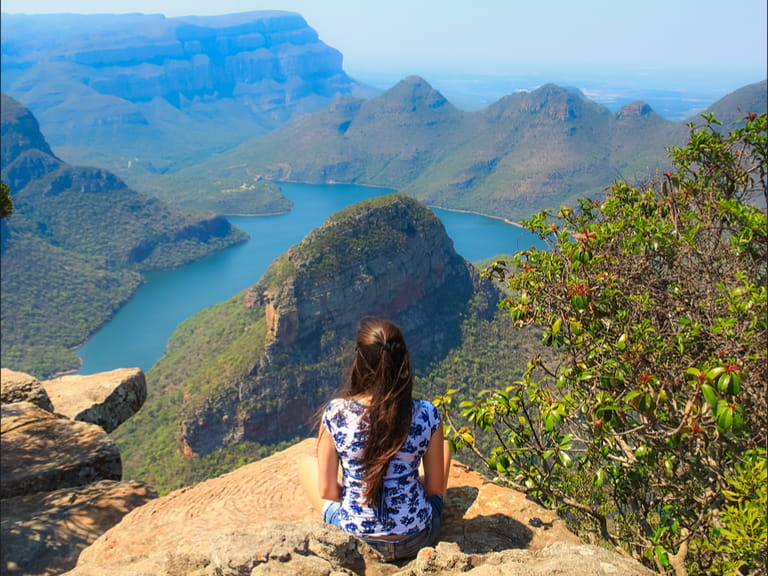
point(76, 245)
point(148, 90)
point(527, 152)
point(252, 371)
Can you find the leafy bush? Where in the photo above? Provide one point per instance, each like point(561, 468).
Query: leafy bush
point(6, 202)
point(740, 538)
point(656, 300)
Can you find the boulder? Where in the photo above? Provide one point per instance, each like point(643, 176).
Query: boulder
point(44, 533)
point(60, 485)
point(42, 452)
point(256, 521)
point(107, 399)
point(21, 387)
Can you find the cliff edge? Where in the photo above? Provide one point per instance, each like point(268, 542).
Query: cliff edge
point(63, 503)
point(257, 521)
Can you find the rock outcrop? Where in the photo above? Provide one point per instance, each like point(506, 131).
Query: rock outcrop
point(44, 533)
point(107, 399)
point(387, 257)
point(60, 479)
point(256, 521)
point(42, 452)
point(21, 387)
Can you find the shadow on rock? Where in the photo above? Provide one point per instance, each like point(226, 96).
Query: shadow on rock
point(483, 534)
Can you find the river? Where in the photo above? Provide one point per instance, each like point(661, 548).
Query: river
point(138, 334)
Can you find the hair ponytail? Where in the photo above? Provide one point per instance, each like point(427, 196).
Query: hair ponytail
point(382, 370)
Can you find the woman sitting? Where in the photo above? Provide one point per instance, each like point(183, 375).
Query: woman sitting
point(380, 438)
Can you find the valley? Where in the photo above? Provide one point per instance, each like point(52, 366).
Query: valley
point(192, 119)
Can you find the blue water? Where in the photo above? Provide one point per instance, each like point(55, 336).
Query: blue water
point(138, 334)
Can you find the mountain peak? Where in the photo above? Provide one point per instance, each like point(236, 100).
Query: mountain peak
point(412, 93)
point(388, 256)
point(556, 101)
point(21, 131)
point(634, 109)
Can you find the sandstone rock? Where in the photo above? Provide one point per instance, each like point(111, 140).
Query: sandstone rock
point(41, 452)
point(564, 558)
point(45, 533)
point(59, 480)
point(107, 399)
point(20, 387)
point(276, 548)
point(256, 521)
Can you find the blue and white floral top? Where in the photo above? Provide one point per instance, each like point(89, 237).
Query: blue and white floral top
point(402, 507)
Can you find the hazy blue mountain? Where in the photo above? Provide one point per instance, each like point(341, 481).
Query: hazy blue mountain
point(737, 104)
point(527, 152)
point(76, 245)
point(153, 92)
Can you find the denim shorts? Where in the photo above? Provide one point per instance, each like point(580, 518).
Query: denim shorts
point(410, 544)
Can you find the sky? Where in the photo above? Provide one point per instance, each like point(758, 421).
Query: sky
point(502, 37)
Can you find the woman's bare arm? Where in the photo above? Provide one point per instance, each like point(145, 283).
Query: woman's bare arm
point(435, 464)
point(328, 467)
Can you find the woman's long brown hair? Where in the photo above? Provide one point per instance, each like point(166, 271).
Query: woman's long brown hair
point(382, 370)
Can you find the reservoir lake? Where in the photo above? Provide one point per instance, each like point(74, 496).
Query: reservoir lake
point(138, 334)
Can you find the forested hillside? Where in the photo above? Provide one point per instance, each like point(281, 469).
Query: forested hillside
point(76, 245)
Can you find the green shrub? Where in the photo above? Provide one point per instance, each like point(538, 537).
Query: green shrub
point(656, 300)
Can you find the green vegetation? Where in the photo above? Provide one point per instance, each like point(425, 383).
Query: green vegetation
point(90, 212)
point(75, 246)
point(213, 348)
point(344, 238)
point(221, 195)
point(6, 202)
point(492, 351)
point(647, 429)
point(60, 286)
point(52, 302)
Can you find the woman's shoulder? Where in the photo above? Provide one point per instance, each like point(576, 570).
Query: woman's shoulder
point(337, 405)
point(426, 409)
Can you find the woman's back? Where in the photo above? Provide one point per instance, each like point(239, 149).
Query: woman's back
point(402, 507)
point(378, 435)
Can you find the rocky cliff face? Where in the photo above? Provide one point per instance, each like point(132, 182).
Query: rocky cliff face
point(149, 75)
point(272, 62)
point(386, 257)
